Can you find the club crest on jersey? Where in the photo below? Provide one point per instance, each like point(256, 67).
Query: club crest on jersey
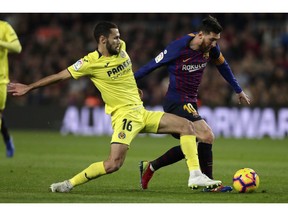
point(78, 65)
point(122, 54)
point(206, 55)
point(121, 135)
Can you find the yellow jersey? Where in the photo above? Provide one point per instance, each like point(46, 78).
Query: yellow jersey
point(7, 34)
point(113, 76)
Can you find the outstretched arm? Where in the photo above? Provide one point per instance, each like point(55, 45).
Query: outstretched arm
point(18, 89)
point(170, 53)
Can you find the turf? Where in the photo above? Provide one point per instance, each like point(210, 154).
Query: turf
point(42, 158)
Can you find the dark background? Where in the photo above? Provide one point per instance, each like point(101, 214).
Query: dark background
point(255, 45)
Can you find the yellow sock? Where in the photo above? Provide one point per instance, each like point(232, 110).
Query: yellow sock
point(95, 170)
point(189, 148)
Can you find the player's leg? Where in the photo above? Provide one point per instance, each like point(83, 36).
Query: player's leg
point(4, 130)
point(174, 124)
point(7, 139)
point(147, 168)
point(3, 96)
point(126, 126)
point(205, 140)
point(95, 170)
point(173, 155)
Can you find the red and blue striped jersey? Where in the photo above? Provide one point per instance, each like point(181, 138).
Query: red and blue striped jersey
point(186, 67)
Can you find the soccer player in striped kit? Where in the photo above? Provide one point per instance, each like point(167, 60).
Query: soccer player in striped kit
point(185, 59)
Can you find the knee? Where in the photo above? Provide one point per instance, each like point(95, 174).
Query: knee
point(209, 136)
point(188, 128)
point(112, 166)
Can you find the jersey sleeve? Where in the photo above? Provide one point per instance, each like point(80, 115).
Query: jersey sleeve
point(171, 52)
point(11, 34)
point(10, 38)
point(224, 68)
point(80, 68)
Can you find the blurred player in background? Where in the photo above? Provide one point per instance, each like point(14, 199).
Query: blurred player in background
point(110, 69)
point(185, 59)
point(9, 42)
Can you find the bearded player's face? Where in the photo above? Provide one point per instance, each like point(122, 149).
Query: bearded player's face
point(113, 42)
point(209, 41)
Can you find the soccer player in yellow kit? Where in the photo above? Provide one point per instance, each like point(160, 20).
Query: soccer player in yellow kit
point(9, 42)
point(110, 69)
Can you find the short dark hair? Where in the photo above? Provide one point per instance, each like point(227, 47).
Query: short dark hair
point(210, 24)
point(103, 28)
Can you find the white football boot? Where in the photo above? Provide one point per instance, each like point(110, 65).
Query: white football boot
point(62, 187)
point(198, 179)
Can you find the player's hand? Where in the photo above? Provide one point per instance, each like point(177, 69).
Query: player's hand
point(243, 97)
point(140, 93)
point(17, 89)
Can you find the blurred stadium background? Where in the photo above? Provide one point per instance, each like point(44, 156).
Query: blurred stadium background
point(255, 46)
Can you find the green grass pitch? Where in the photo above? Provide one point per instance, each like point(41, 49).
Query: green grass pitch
point(42, 158)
